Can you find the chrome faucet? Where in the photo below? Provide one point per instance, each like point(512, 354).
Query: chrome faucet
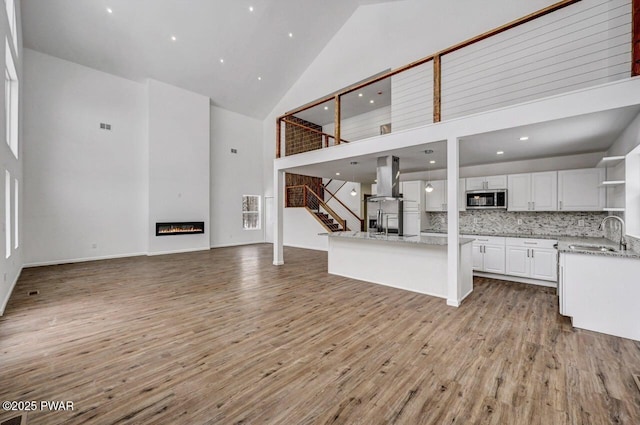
point(623, 242)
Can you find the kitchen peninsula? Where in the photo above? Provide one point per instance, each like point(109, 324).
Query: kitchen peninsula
point(413, 263)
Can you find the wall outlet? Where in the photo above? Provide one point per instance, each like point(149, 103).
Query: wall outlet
point(475, 220)
point(581, 223)
point(94, 246)
point(519, 221)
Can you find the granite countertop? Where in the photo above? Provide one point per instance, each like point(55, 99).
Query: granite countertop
point(563, 242)
point(416, 239)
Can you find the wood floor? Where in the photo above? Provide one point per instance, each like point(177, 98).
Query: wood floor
point(224, 337)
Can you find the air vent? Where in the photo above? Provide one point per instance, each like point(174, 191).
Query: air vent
point(32, 293)
point(105, 126)
point(234, 150)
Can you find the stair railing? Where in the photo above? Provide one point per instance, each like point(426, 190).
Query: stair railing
point(315, 203)
point(333, 196)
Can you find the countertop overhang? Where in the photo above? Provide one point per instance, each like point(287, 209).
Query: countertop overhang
point(414, 239)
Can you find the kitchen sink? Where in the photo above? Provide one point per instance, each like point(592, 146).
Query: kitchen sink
point(592, 248)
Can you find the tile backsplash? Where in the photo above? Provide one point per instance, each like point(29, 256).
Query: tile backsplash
point(532, 223)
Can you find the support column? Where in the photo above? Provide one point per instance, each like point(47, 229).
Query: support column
point(453, 248)
point(278, 204)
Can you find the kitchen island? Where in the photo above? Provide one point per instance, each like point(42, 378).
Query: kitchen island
point(413, 263)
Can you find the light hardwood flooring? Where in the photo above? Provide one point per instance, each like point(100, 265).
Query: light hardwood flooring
point(224, 337)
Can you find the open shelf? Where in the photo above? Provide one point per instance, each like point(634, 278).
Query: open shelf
point(612, 182)
point(610, 161)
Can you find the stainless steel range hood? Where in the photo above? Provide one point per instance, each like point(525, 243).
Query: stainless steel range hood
point(388, 173)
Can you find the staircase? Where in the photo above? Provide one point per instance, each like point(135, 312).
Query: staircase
point(327, 221)
point(304, 196)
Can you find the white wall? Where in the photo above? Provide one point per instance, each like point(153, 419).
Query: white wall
point(83, 186)
point(11, 267)
point(234, 175)
point(568, 162)
point(361, 126)
point(388, 35)
point(178, 123)
point(302, 230)
point(628, 139)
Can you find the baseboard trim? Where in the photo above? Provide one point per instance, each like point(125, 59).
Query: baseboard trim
point(548, 284)
point(236, 244)
point(82, 260)
point(177, 251)
point(11, 288)
point(306, 247)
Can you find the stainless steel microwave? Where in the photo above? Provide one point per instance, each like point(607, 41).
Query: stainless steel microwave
point(487, 199)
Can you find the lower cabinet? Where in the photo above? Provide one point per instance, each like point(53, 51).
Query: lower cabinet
point(532, 258)
point(488, 254)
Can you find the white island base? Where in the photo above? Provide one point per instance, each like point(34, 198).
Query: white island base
point(416, 263)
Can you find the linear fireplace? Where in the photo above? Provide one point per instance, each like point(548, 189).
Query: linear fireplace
point(179, 228)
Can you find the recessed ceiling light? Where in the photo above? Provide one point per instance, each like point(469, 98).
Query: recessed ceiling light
point(109, 10)
point(432, 162)
point(173, 38)
point(360, 94)
point(221, 60)
point(371, 101)
point(337, 174)
point(326, 108)
point(259, 78)
point(250, 8)
point(290, 35)
point(523, 138)
point(500, 153)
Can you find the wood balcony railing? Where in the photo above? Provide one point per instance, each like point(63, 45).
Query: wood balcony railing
point(524, 59)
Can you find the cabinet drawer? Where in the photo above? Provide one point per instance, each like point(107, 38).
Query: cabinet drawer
point(487, 240)
point(531, 243)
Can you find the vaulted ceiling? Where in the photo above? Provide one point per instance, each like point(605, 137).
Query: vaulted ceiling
point(243, 54)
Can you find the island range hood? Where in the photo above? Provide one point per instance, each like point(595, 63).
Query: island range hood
point(388, 174)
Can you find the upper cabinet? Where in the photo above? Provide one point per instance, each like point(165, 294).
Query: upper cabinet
point(413, 194)
point(533, 191)
point(489, 182)
point(581, 190)
point(437, 199)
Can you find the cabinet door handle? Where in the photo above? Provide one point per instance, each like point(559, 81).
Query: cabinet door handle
point(484, 249)
point(560, 204)
point(533, 205)
point(532, 253)
point(527, 253)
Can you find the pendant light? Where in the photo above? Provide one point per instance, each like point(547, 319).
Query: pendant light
point(428, 188)
point(353, 192)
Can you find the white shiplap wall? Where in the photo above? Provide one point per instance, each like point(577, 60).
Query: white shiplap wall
point(361, 126)
point(412, 97)
point(582, 45)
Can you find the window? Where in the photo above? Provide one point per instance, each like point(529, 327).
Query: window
point(11, 100)
point(16, 223)
point(7, 212)
point(250, 212)
point(13, 27)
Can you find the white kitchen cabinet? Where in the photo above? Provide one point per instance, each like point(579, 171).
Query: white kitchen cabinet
point(437, 199)
point(413, 193)
point(601, 293)
point(488, 254)
point(411, 222)
point(581, 190)
point(532, 258)
point(533, 191)
point(488, 182)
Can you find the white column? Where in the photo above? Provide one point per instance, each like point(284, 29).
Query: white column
point(453, 249)
point(278, 205)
